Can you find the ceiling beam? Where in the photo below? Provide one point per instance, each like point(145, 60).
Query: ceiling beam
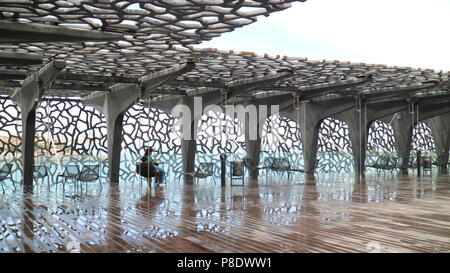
point(55, 87)
point(381, 94)
point(162, 98)
point(148, 83)
point(10, 84)
point(243, 86)
point(69, 76)
point(313, 91)
point(80, 87)
point(394, 92)
point(15, 32)
point(13, 74)
point(318, 90)
point(125, 94)
point(196, 82)
point(237, 87)
point(94, 78)
point(33, 87)
point(17, 58)
point(442, 97)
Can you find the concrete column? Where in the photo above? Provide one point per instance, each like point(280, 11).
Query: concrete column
point(254, 153)
point(310, 115)
point(28, 134)
point(121, 97)
point(359, 129)
point(27, 102)
point(115, 104)
point(440, 130)
point(191, 124)
point(402, 126)
point(114, 139)
point(309, 118)
point(27, 97)
point(404, 122)
point(253, 143)
point(188, 151)
point(189, 109)
point(359, 120)
point(114, 123)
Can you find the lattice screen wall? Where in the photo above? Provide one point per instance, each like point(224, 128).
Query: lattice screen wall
point(71, 128)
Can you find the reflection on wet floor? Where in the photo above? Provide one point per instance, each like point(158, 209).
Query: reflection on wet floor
point(273, 214)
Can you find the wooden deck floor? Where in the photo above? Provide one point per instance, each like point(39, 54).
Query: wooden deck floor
point(274, 214)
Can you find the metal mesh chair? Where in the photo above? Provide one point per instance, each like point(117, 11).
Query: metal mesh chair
point(250, 165)
point(425, 163)
point(380, 164)
point(40, 171)
point(70, 172)
point(204, 170)
point(89, 173)
point(441, 162)
point(281, 164)
point(392, 163)
point(316, 164)
point(5, 172)
point(237, 171)
point(268, 161)
point(412, 162)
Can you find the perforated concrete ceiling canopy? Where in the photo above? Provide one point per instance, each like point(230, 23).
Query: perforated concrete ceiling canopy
point(157, 35)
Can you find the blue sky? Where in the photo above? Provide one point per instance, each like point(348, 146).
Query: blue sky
point(402, 32)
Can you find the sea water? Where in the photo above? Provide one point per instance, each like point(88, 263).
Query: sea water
point(172, 163)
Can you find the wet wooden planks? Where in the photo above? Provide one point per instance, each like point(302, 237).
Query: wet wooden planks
point(325, 214)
